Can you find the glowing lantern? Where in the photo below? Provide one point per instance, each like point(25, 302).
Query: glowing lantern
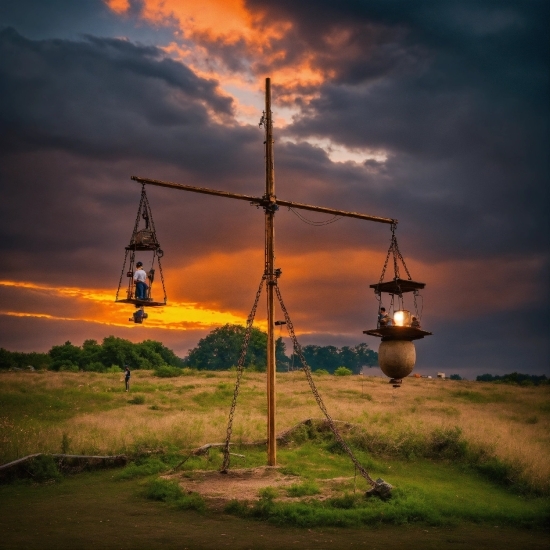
point(402, 318)
point(397, 354)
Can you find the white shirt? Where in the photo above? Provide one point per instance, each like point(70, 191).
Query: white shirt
point(140, 275)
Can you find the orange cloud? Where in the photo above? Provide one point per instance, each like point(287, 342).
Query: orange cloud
point(118, 6)
point(215, 25)
point(328, 291)
point(26, 299)
point(324, 292)
point(56, 318)
point(226, 20)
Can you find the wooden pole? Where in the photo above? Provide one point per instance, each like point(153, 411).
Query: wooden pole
point(270, 204)
point(261, 201)
point(270, 208)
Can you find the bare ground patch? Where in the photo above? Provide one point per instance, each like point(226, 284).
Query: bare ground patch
point(245, 484)
point(240, 484)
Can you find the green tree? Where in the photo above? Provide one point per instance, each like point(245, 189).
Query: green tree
point(281, 359)
point(95, 357)
point(513, 378)
point(329, 358)
point(95, 366)
point(118, 351)
point(321, 357)
point(20, 360)
point(65, 355)
point(91, 355)
point(365, 357)
point(221, 349)
point(167, 356)
point(7, 359)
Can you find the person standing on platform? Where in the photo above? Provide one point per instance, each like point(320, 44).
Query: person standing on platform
point(140, 278)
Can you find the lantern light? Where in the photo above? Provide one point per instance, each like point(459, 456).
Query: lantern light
point(402, 318)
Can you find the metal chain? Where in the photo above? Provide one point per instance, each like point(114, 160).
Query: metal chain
point(142, 201)
point(418, 311)
point(395, 264)
point(398, 252)
point(240, 370)
point(313, 222)
point(136, 224)
point(121, 275)
point(145, 206)
point(394, 250)
point(390, 249)
point(131, 286)
point(152, 221)
point(150, 214)
point(162, 278)
point(298, 351)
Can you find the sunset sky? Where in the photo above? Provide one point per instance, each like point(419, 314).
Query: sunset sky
point(434, 113)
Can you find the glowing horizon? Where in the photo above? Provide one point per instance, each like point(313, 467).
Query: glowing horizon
point(175, 316)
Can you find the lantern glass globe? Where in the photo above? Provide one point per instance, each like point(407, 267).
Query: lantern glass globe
point(402, 318)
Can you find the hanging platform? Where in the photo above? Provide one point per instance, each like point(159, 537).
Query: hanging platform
point(401, 324)
point(144, 240)
point(139, 303)
point(398, 333)
point(397, 286)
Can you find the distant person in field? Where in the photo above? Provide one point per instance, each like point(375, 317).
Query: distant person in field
point(140, 278)
point(138, 316)
point(415, 323)
point(127, 377)
point(384, 319)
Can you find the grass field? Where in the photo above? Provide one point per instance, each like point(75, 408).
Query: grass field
point(90, 413)
point(457, 452)
point(93, 510)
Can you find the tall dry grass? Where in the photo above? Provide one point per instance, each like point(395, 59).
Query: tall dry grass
point(91, 413)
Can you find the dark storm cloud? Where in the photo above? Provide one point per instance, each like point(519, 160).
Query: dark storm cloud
point(372, 38)
point(77, 118)
point(494, 343)
point(39, 19)
point(106, 97)
point(457, 93)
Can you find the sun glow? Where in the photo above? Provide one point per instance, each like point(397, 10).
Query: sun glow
point(98, 306)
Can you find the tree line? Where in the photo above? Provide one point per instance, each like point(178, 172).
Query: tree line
point(219, 350)
point(95, 357)
point(514, 378)
point(330, 358)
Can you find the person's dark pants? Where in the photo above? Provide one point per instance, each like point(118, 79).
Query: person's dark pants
point(141, 291)
point(127, 380)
